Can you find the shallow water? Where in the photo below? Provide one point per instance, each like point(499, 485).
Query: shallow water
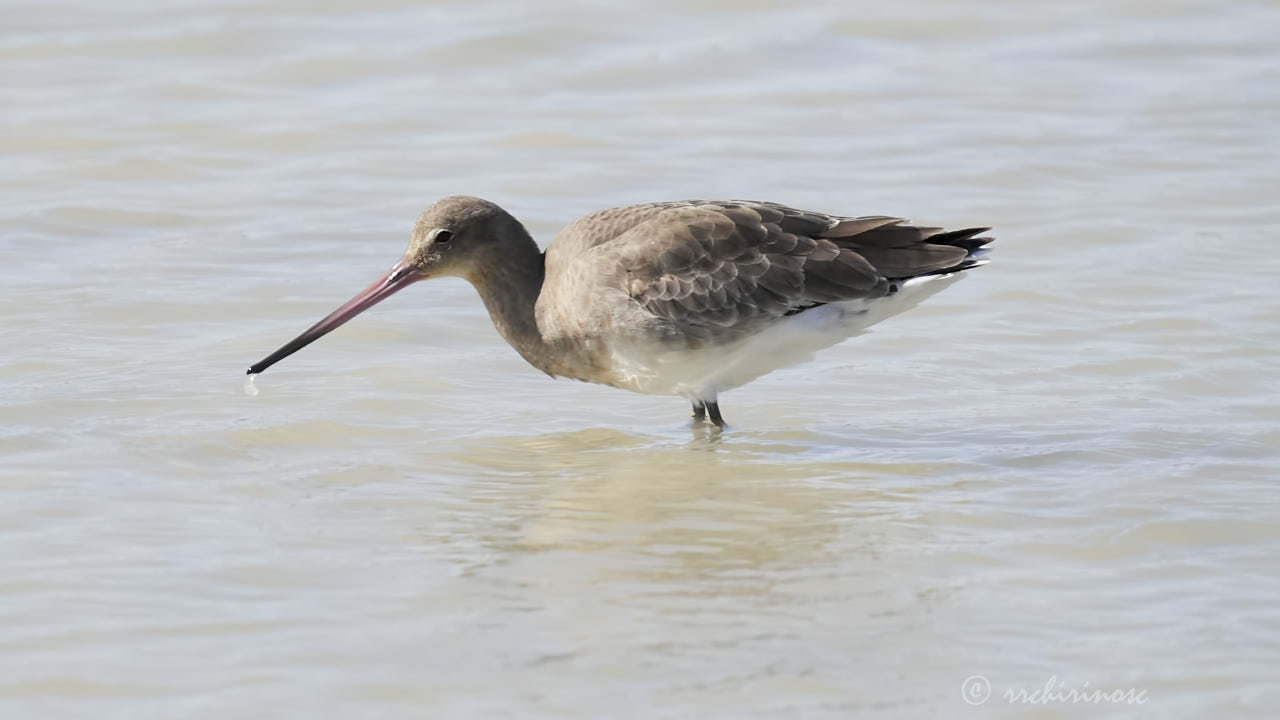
point(1061, 470)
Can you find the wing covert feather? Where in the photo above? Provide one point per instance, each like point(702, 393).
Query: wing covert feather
point(732, 264)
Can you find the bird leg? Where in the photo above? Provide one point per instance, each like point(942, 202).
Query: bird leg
point(713, 410)
point(699, 411)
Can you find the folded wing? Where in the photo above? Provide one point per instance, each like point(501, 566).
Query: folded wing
point(735, 264)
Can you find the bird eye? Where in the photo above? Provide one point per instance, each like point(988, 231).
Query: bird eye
point(443, 236)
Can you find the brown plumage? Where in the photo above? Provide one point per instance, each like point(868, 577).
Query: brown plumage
point(728, 263)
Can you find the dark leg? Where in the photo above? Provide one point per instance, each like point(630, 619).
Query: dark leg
point(699, 411)
point(713, 409)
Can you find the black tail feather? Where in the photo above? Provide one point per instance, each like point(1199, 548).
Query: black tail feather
point(962, 238)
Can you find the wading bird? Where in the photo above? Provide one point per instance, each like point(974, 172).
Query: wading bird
point(688, 298)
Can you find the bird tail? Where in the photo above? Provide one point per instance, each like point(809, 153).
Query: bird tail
point(971, 241)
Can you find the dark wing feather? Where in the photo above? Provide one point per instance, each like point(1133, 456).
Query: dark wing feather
point(730, 264)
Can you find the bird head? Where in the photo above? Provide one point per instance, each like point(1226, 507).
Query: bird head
point(455, 237)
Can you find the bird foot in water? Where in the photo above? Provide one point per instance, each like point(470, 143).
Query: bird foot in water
point(704, 411)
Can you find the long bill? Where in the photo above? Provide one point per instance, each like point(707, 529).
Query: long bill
point(400, 276)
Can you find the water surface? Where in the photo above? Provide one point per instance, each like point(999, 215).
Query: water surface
point(1060, 470)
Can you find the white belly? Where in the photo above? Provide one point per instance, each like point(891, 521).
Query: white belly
point(703, 373)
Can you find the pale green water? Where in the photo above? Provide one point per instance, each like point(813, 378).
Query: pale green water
point(1063, 467)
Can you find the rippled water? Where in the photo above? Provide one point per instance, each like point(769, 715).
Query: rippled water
point(1062, 470)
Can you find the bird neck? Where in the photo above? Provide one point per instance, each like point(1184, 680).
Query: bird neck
point(509, 287)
